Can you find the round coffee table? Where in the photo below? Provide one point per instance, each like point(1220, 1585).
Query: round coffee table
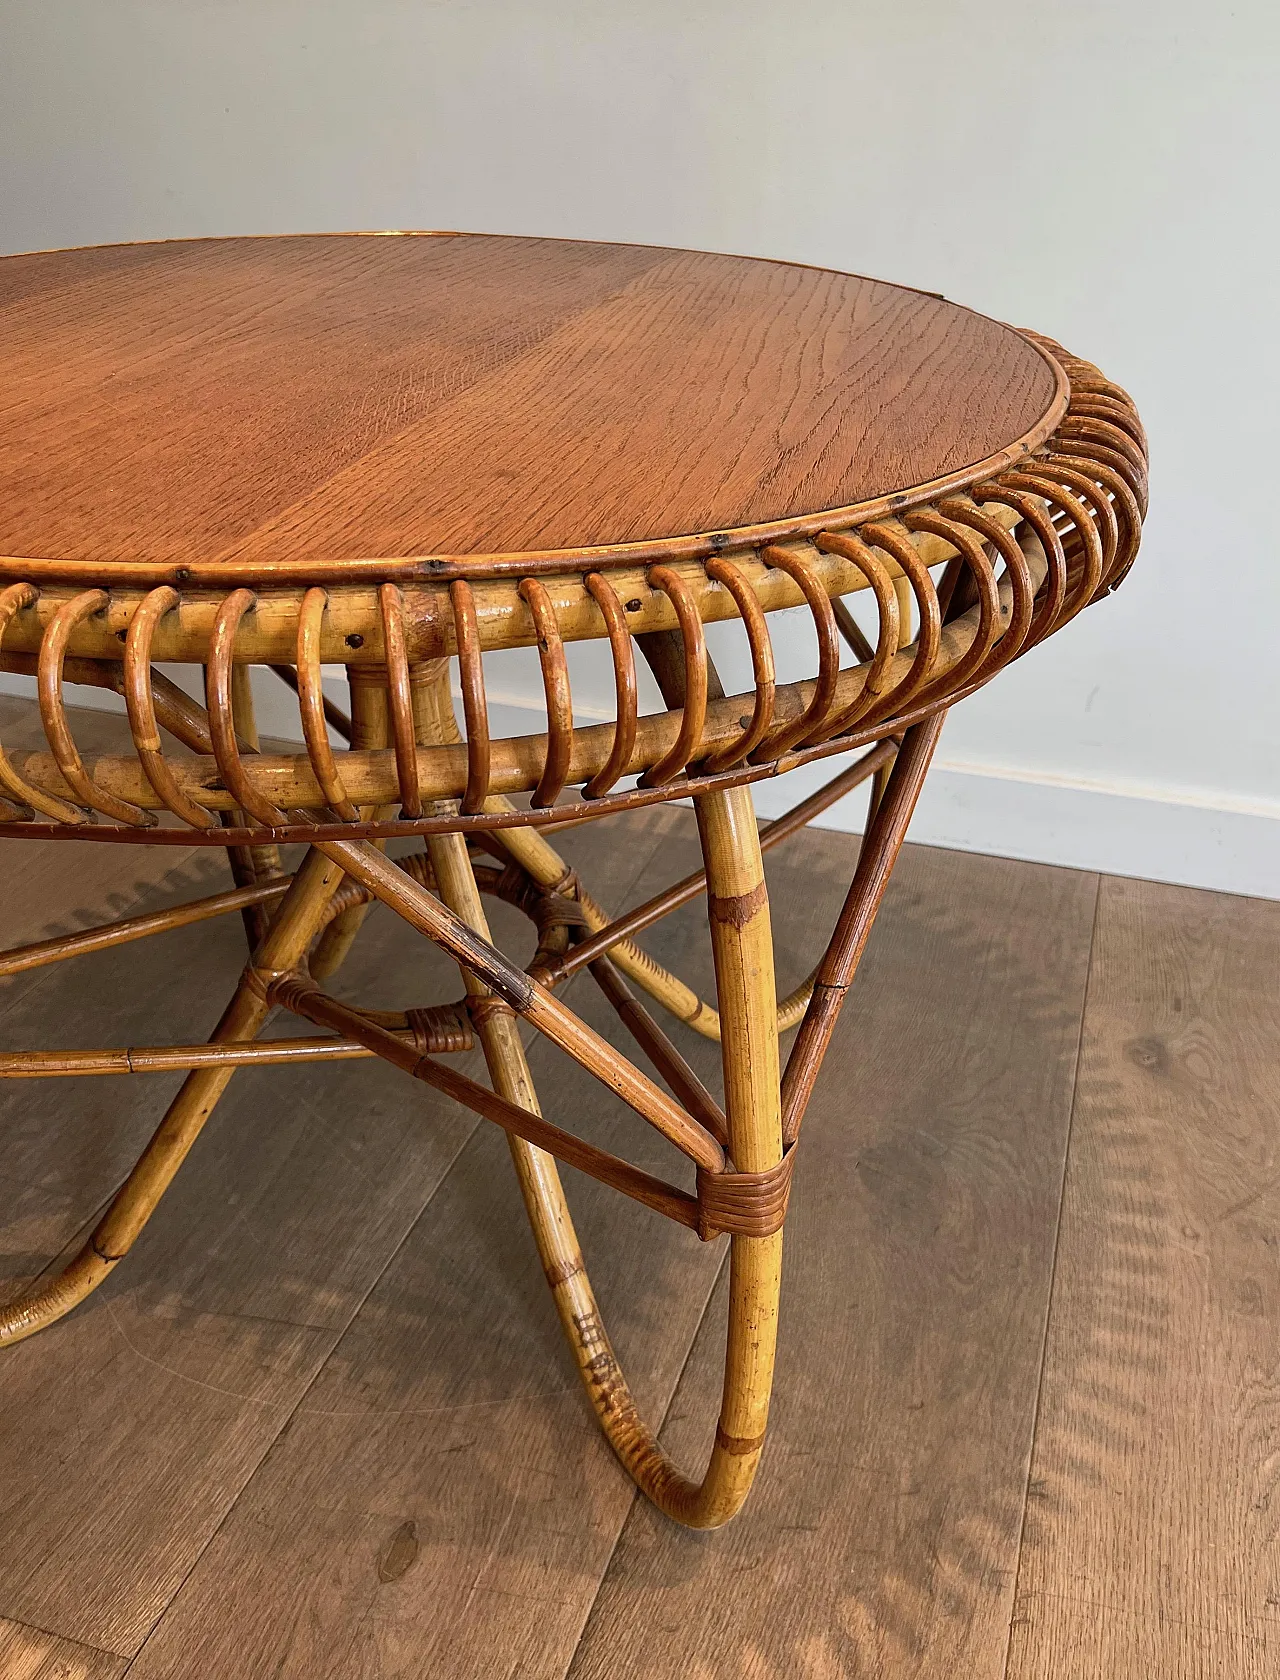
point(399, 453)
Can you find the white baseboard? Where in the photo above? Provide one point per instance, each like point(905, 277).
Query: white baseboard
point(1154, 835)
point(1118, 829)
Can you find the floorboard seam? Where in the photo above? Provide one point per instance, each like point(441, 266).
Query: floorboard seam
point(1053, 1281)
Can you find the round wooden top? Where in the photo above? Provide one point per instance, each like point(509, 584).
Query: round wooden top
point(323, 398)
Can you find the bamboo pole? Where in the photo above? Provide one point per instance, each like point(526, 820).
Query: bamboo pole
point(171, 1058)
point(250, 865)
point(692, 886)
point(539, 1007)
point(879, 852)
point(352, 632)
point(744, 957)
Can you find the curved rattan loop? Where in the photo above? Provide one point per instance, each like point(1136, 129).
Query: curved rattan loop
point(1125, 505)
point(1089, 387)
point(555, 683)
point(898, 546)
point(694, 713)
point(53, 713)
point(1102, 440)
point(626, 689)
point(889, 624)
point(962, 511)
point(1098, 406)
point(808, 726)
point(222, 726)
point(1034, 510)
point(13, 600)
point(140, 702)
point(756, 625)
point(1095, 459)
point(404, 734)
point(1087, 539)
point(1105, 518)
point(475, 707)
point(315, 727)
point(1086, 380)
point(982, 656)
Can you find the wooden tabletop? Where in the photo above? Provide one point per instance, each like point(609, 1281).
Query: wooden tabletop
point(342, 396)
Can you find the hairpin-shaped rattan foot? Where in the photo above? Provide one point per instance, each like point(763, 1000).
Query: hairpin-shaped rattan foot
point(965, 567)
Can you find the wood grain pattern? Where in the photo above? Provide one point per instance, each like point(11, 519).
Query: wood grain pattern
point(883, 1534)
point(298, 397)
point(29, 1654)
point(1152, 1539)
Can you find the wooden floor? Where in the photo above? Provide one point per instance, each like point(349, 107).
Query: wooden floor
point(321, 1424)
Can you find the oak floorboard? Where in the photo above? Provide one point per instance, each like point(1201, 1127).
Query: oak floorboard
point(1152, 1541)
point(882, 1536)
point(442, 1502)
point(127, 1430)
point(130, 1426)
point(27, 1653)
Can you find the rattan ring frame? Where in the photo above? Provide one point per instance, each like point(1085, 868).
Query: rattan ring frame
point(966, 575)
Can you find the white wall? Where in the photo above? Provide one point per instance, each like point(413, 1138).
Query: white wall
point(1105, 172)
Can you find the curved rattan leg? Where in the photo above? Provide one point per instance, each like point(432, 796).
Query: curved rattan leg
point(300, 913)
point(744, 971)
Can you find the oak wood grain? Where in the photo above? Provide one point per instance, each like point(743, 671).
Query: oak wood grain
point(1152, 1542)
point(338, 396)
point(27, 1653)
point(883, 1533)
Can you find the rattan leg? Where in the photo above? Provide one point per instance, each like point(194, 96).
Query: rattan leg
point(744, 970)
point(295, 924)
